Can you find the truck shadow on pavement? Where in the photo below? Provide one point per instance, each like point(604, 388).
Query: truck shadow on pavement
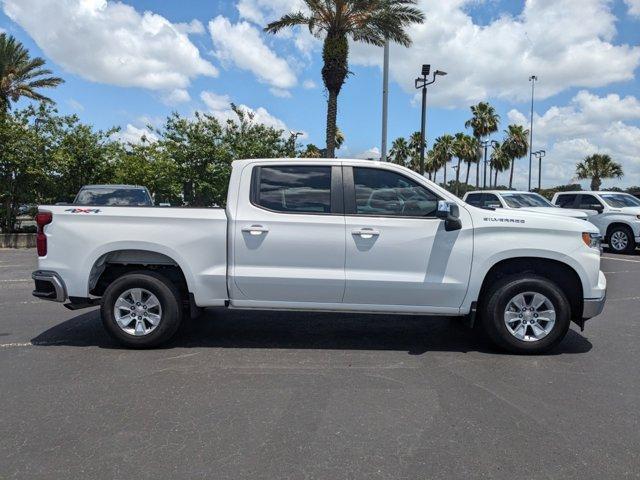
point(295, 330)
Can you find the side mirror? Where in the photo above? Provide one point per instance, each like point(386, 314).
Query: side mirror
point(450, 213)
point(598, 208)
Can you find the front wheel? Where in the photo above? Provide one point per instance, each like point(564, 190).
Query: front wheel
point(526, 314)
point(621, 240)
point(141, 309)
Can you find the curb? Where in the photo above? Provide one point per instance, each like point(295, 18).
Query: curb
point(17, 240)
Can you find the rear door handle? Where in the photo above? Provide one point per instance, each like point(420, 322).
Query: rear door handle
point(365, 233)
point(255, 230)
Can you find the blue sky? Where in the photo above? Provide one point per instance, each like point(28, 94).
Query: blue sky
point(133, 62)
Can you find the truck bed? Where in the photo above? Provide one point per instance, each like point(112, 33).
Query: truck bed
point(81, 239)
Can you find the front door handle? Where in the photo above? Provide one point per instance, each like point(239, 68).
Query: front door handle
point(255, 230)
point(365, 233)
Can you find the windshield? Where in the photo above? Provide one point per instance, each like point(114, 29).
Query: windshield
point(520, 200)
point(620, 200)
point(113, 196)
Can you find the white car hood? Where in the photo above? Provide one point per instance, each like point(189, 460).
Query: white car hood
point(628, 210)
point(562, 212)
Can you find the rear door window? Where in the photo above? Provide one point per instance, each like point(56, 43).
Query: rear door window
point(294, 189)
point(566, 201)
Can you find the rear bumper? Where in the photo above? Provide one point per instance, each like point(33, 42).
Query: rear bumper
point(49, 286)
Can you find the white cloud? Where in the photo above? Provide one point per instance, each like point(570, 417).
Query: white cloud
point(194, 27)
point(588, 124)
point(110, 42)
point(242, 45)
point(75, 105)
point(220, 107)
point(634, 7)
point(263, 11)
point(135, 135)
point(277, 92)
point(176, 97)
point(309, 84)
point(566, 43)
point(372, 153)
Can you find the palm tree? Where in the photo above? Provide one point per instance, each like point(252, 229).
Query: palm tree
point(444, 151)
point(515, 145)
point(499, 162)
point(21, 75)
point(368, 21)
point(459, 151)
point(400, 151)
point(596, 167)
point(339, 138)
point(484, 122)
point(415, 146)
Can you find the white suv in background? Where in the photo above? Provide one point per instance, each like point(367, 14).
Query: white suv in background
point(616, 214)
point(523, 201)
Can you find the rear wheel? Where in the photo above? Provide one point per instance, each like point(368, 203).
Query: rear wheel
point(141, 309)
point(526, 314)
point(621, 239)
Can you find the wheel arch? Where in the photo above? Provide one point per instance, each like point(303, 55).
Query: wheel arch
point(115, 263)
point(561, 273)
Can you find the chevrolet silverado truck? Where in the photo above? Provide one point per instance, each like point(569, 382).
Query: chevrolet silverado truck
point(616, 214)
point(324, 235)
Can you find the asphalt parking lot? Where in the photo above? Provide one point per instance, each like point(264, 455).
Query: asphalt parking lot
point(324, 396)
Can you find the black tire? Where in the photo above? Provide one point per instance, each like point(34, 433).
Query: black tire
point(492, 311)
point(170, 302)
point(628, 234)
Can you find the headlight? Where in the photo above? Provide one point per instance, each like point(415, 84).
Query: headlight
point(592, 240)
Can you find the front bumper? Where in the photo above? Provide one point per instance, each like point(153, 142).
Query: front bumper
point(593, 307)
point(49, 286)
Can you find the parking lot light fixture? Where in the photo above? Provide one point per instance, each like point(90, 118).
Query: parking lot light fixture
point(422, 83)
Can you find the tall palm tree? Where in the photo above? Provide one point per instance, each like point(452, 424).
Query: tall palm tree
point(368, 21)
point(484, 121)
point(21, 75)
point(499, 162)
point(459, 151)
point(444, 151)
point(596, 167)
point(515, 145)
point(400, 151)
point(415, 146)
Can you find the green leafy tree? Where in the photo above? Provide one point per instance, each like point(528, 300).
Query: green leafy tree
point(466, 150)
point(311, 152)
point(515, 145)
point(596, 167)
point(367, 21)
point(149, 164)
point(483, 122)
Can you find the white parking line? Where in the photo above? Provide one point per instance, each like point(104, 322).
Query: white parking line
point(20, 280)
point(621, 259)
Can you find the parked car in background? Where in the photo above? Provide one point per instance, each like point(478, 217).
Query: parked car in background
point(324, 235)
point(114, 195)
point(524, 201)
point(616, 214)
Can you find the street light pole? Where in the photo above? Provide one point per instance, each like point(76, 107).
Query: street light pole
point(533, 79)
point(485, 144)
point(385, 101)
point(422, 83)
point(539, 154)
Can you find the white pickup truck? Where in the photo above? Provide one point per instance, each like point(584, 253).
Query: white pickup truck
point(616, 214)
point(324, 235)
